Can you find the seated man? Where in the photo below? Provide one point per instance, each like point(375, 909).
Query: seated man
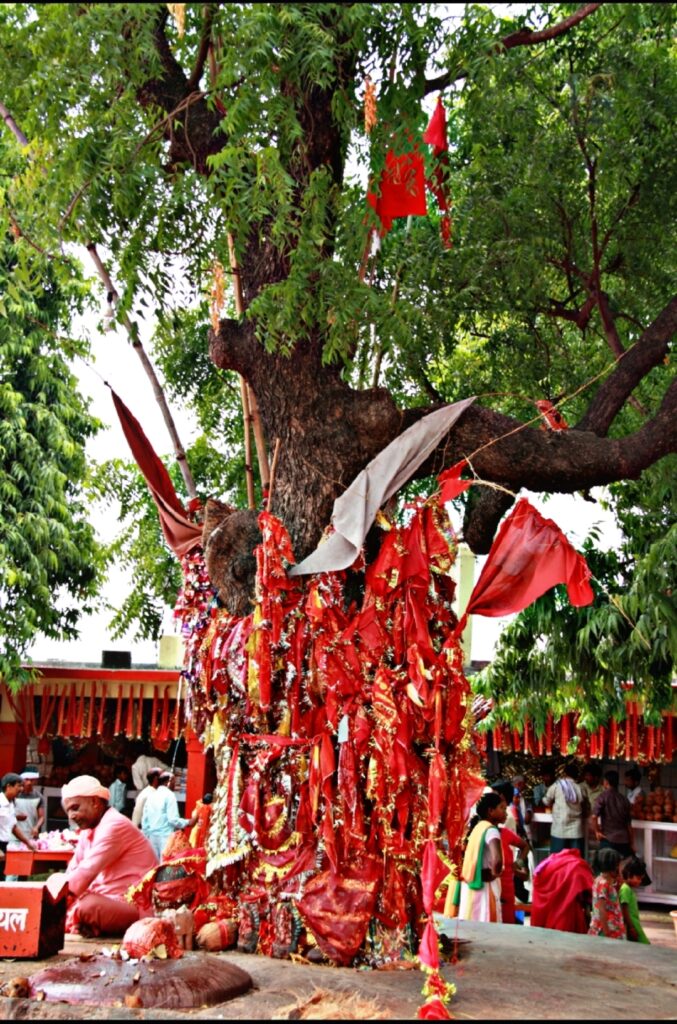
point(111, 856)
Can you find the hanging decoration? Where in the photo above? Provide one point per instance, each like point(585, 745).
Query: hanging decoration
point(217, 295)
point(178, 13)
point(402, 186)
point(370, 118)
point(436, 136)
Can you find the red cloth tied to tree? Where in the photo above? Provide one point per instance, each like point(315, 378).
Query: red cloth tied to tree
point(180, 533)
point(529, 556)
point(338, 907)
point(402, 189)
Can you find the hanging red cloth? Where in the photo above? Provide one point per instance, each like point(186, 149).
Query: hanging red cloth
point(529, 556)
point(436, 136)
point(402, 189)
point(180, 533)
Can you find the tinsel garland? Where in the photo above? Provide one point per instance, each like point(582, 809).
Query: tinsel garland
point(341, 734)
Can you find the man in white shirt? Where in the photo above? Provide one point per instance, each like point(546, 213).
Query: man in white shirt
point(566, 799)
point(633, 778)
point(30, 804)
point(142, 766)
point(161, 814)
point(152, 779)
point(10, 787)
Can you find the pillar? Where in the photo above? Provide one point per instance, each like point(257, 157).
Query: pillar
point(13, 742)
point(196, 771)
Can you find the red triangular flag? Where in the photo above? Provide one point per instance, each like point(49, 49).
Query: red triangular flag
point(180, 533)
point(436, 136)
point(436, 132)
point(529, 556)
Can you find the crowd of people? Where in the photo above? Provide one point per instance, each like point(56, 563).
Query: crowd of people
point(114, 851)
point(566, 892)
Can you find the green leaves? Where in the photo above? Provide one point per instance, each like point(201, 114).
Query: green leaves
point(49, 558)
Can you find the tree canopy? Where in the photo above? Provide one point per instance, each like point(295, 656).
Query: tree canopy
point(163, 139)
point(48, 553)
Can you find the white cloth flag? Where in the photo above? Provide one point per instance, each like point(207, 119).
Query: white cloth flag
point(355, 510)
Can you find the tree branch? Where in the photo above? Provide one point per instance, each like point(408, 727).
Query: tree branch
point(524, 37)
point(649, 351)
point(193, 136)
point(205, 42)
point(234, 347)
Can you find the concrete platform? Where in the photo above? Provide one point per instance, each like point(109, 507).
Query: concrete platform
point(505, 973)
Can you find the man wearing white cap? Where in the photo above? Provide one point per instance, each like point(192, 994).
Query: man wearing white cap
point(161, 813)
point(29, 805)
point(111, 856)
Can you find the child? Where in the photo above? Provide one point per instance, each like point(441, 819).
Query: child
point(634, 875)
point(607, 918)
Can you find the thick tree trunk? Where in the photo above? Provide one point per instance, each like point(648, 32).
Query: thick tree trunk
point(329, 432)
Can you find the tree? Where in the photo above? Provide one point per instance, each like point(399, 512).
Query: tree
point(49, 556)
point(246, 120)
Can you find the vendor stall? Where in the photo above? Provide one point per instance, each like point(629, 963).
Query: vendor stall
point(619, 745)
point(89, 719)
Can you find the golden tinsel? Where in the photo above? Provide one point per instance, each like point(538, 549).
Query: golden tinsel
point(217, 293)
point(369, 104)
point(178, 13)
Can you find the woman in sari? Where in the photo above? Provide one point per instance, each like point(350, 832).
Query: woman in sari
point(480, 897)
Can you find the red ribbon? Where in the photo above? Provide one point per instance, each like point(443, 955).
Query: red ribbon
point(118, 712)
point(153, 714)
point(130, 711)
point(102, 708)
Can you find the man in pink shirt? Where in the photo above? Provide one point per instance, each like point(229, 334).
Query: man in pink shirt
point(111, 855)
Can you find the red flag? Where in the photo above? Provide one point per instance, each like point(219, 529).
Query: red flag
point(436, 132)
point(402, 189)
point(451, 483)
point(180, 533)
point(436, 136)
point(529, 556)
point(433, 873)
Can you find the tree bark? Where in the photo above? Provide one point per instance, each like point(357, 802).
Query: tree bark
point(329, 432)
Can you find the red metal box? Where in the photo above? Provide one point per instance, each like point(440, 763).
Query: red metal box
point(32, 922)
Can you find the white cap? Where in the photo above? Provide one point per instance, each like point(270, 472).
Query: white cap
point(84, 785)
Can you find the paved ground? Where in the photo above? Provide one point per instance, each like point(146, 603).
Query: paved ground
point(504, 973)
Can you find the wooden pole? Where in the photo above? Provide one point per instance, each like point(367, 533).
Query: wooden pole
point(253, 415)
point(273, 470)
point(248, 469)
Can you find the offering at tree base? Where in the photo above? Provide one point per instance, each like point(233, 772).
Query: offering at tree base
point(341, 724)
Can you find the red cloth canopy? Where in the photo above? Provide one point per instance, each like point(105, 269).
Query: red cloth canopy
point(529, 556)
point(180, 533)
